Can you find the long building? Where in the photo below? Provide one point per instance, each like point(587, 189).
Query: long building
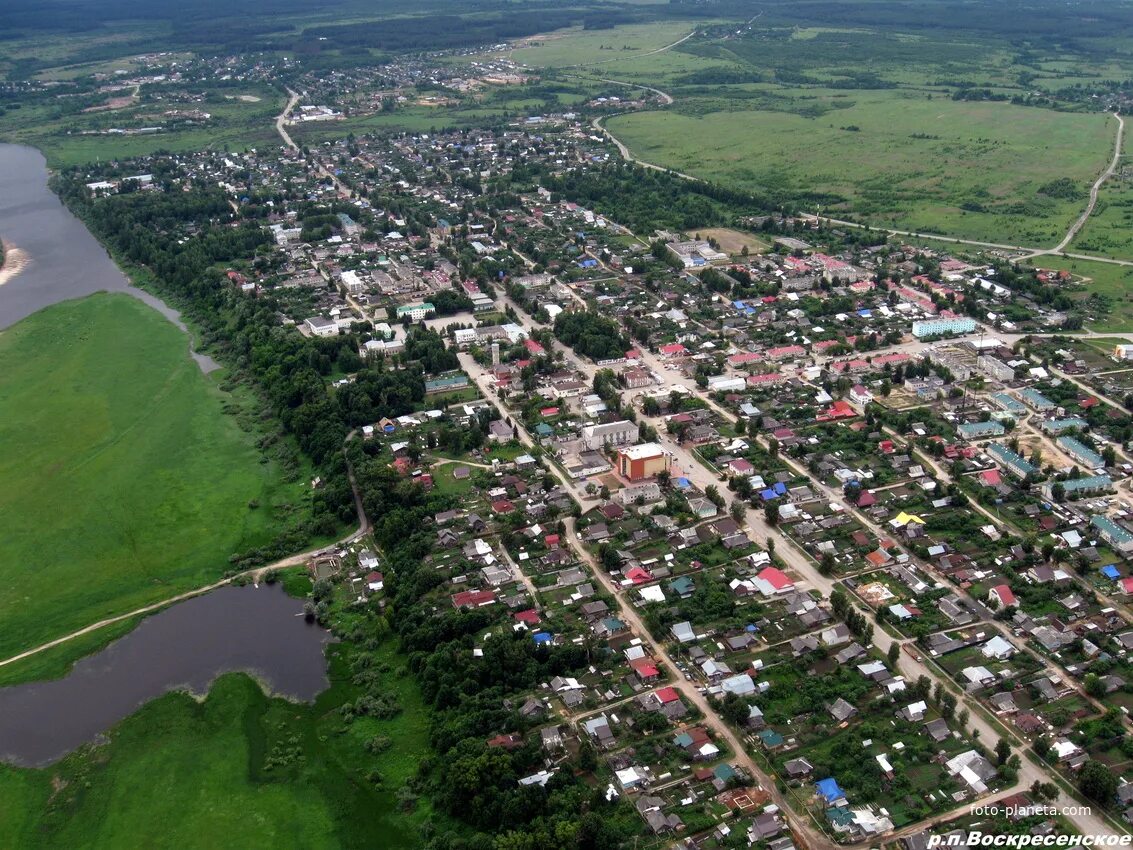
point(1115, 535)
point(1081, 453)
point(940, 327)
point(1014, 463)
point(621, 433)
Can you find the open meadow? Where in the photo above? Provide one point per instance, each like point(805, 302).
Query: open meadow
point(977, 170)
point(125, 481)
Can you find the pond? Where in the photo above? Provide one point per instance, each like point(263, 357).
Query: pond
point(257, 630)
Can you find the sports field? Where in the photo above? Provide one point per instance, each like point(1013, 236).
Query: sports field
point(124, 480)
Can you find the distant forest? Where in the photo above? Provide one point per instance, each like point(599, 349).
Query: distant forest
point(400, 26)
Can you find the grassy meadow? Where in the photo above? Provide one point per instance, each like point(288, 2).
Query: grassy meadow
point(237, 769)
point(125, 482)
point(974, 170)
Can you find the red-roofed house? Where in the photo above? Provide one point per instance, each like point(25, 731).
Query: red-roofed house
point(532, 346)
point(1126, 585)
point(667, 695)
point(503, 506)
point(740, 466)
point(776, 579)
point(529, 616)
point(991, 478)
point(551, 540)
point(639, 575)
point(375, 581)
point(1002, 594)
point(473, 599)
point(673, 349)
point(645, 668)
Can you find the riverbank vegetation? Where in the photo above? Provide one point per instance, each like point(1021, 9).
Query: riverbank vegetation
point(236, 769)
point(125, 481)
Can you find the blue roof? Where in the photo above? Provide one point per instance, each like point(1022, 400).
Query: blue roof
point(829, 789)
point(683, 483)
point(768, 495)
point(779, 487)
point(542, 637)
point(865, 314)
point(751, 627)
point(1110, 571)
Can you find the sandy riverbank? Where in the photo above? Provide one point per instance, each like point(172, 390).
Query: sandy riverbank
point(14, 261)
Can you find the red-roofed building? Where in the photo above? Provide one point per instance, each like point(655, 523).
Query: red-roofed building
point(551, 541)
point(503, 506)
point(473, 599)
point(673, 349)
point(638, 575)
point(866, 499)
point(667, 695)
point(840, 409)
point(776, 578)
point(529, 616)
point(547, 412)
point(375, 581)
point(645, 668)
point(740, 466)
point(1126, 585)
point(744, 357)
point(1002, 594)
point(534, 347)
point(784, 352)
point(991, 478)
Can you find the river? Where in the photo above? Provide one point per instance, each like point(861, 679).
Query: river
point(260, 631)
point(63, 259)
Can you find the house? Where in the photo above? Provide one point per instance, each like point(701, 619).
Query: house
point(500, 431)
point(841, 710)
point(1001, 596)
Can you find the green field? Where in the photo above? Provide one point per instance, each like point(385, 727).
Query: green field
point(124, 482)
point(1109, 231)
point(578, 46)
point(238, 769)
point(985, 156)
point(69, 138)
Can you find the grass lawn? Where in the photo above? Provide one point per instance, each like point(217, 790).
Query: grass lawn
point(236, 770)
point(913, 162)
point(125, 483)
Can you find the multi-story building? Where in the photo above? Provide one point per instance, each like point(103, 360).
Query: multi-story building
point(940, 327)
point(643, 461)
point(621, 433)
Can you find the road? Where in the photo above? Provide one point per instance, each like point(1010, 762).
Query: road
point(281, 120)
point(255, 574)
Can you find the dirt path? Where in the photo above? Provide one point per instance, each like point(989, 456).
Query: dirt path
point(256, 573)
point(1105, 175)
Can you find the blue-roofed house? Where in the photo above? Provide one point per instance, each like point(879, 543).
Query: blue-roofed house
point(829, 791)
point(1037, 400)
point(542, 638)
point(1111, 572)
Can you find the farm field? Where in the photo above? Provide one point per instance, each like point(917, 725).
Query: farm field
point(1109, 231)
point(125, 482)
point(976, 170)
point(68, 138)
point(578, 46)
point(236, 769)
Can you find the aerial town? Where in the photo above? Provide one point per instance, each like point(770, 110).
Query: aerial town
point(782, 533)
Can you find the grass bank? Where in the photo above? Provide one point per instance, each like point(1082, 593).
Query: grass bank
point(126, 483)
